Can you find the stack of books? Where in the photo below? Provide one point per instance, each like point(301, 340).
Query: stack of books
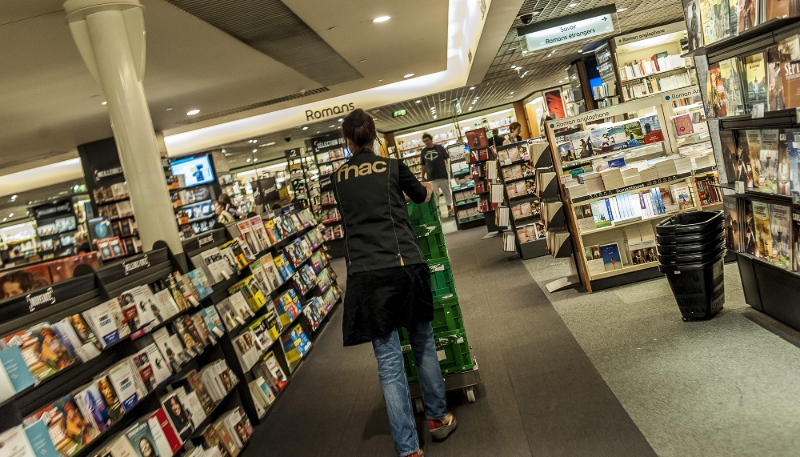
point(612, 178)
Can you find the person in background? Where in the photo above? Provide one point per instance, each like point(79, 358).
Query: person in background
point(514, 136)
point(82, 241)
point(388, 282)
point(18, 282)
point(225, 199)
point(435, 169)
point(496, 140)
point(223, 216)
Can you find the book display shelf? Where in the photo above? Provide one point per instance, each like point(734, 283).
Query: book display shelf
point(304, 178)
point(483, 171)
point(606, 93)
point(463, 187)
point(752, 101)
point(329, 154)
point(618, 179)
point(193, 188)
point(650, 62)
point(144, 352)
point(520, 205)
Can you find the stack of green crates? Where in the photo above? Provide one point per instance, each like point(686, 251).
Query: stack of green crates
point(448, 323)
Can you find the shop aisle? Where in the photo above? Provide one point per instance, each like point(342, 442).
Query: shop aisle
point(540, 394)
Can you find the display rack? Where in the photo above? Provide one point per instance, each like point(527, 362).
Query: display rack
point(483, 170)
point(521, 207)
point(463, 188)
point(617, 180)
point(755, 134)
point(89, 288)
point(330, 153)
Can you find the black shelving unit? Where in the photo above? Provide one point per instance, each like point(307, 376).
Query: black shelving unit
point(767, 287)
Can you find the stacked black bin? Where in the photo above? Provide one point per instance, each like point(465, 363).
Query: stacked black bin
point(691, 252)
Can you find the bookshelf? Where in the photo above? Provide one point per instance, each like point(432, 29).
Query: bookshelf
point(616, 180)
point(330, 153)
point(463, 187)
point(520, 209)
point(207, 353)
point(754, 132)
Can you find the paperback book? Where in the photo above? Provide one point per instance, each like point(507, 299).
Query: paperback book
point(781, 226)
point(761, 217)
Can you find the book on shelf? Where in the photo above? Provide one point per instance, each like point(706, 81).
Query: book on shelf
point(755, 80)
point(768, 170)
point(14, 443)
point(167, 440)
point(39, 439)
point(69, 430)
point(761, 218)
point(611, 257)
point(171, 348)
point(141, 439)
point(789, 51)
point(793, 157)
point(14, 374)
point(42, 350)
point(781, 229)
point(796, 240)
point(179, 416)
point(93, 407)
point(748, 14)
point(730, 207)
point(748, 239)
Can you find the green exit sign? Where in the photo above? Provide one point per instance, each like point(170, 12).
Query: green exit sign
point(398, 113)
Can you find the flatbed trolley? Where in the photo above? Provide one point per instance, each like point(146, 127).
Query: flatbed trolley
point(466, 380)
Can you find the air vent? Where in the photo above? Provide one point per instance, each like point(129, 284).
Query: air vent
point(240, 109)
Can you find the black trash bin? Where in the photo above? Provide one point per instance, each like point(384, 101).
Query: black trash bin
point(691, 252)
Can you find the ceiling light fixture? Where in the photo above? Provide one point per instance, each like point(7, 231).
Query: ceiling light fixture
point(434, 116)
point(169, 109)
point(341, 119)
point(271, 143)
point(255, 150)
point(192, 112)
point(512, 92)
point(408, 75)
point(572, 5)
point(305, 127)
point(472, 88)
point(334, 125)
point(248, 160)
point(419, 101)
point(380, 80)
point(223, 151)
point(619, 10)
point(14, 197)
point(255, 160)
point(362, 60)
point(580, 51)
point(104, 103)
point(10, 214)
point(380, 19)
point(513, 67)
point(560, 80)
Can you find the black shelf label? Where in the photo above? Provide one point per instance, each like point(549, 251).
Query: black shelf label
point(622, 190)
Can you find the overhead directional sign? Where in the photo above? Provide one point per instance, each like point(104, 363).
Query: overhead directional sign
point(399, 113)
point(575, 27)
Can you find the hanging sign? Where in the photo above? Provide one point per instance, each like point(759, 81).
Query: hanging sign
point(327, 142)
point(292, 153)
point(577, 27)
point(399, 113)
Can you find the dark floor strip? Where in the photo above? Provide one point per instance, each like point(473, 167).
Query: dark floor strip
point(540, 394)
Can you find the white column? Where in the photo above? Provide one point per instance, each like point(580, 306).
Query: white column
point(110, 36)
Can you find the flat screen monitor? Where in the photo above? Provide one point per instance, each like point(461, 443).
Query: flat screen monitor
point(195, 170)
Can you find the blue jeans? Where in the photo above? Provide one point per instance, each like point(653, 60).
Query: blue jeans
point(395, 387)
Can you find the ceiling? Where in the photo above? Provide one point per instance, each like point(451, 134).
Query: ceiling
point(49, 102)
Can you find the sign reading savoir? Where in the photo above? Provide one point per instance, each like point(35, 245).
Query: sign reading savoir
point(566, 33)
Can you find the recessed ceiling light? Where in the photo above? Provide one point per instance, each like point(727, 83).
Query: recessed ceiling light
point(381, 19)
point(512, 92)
point(271, 143)
point(192, 112)
point(317, 131)
point(560, 80)
point(513, 67)
point(223, 151)
point(11, 215)
point(619, 10)
point(169, 109)
point(434, 116)
point(255, 160)
point(334, 125)
point(104, 103)
point(341, 120)
point(13, 197)
point(380, 80)
point(362, 60)
point(255, 150)
point(419, 101)
point(512, 49)
point(248, 160)
point(441, 100)
point(572, 5)
point(5, 219)
point(305, 128)
point(470, 109)
point(580, 51)
point(408, 75)
point(472, 88)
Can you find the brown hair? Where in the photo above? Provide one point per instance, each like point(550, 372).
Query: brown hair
point(225, 199)
point(359, 128)
point(514, 125)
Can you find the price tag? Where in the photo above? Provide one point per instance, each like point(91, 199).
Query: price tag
point(797, 115)
point(739, 187)
point(193, 301)
point(758, 111)
point(240, 320)
point(225, 275)
point(218, 332)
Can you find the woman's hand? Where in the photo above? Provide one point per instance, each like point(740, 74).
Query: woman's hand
point(429, 187)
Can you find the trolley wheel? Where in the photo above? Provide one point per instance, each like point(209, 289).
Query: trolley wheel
point(419, 406)
point(686, 319)
point(470, 391)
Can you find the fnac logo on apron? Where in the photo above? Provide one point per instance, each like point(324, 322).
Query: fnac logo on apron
point(360, 170)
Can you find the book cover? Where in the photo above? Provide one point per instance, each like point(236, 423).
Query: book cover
point(730, 207)
point(796, 241)
point(754, 150)
point(775, 90)
point(781, 227)
point(167, 440)
point(42, 350)
point(748, 14)
point(235, 425)
point(780, 9)
point(275, 371)
point(226, 440)
point(180, 417)
point(793, 152)
point(196, 385)
point(729, 156)
point(125, 386)
point(142, 440)
point(171, 349)
point(69, 430)
point(600, 214)
point(211, 440)
point(200, 282)
point(789, 50)
point(93, 407)
point(611, 257)
point(601, 142)
point(14, 443)
point(581, 144)
point(768, 177)
point(761, 218)
point(756, 80)
point(162, 370)
point(165, 304)
point(732, 83)
point(177, 295)
point(683, 124)
point(17, 375)
point(715, 93)
point(192, 404)
point(141, 361)
point(749, 243)
point(784, 166)
point(694, 24)
point(651, 129)
point(39, 439)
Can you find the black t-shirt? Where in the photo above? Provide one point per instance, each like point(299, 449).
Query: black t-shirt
point(435, 162)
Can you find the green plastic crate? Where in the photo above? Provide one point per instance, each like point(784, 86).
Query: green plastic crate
point(452, 350)
point(427, 229)
point(433, 247)
point(442, 282)
point(424, 213)
point(447, 318)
